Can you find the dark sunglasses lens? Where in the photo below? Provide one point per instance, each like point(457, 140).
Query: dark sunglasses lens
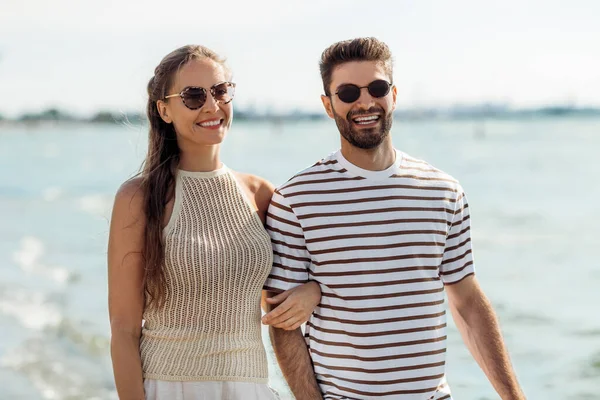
point(223, 92)
point(379, 88)
point(194, 98)
point(348, 93)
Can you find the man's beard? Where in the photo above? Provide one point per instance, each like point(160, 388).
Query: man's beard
point(365, 138)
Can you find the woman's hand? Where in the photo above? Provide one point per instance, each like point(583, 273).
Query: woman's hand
point(293, 307)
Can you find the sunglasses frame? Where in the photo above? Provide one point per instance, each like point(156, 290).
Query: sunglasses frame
point(211, 90)
point(389, 88)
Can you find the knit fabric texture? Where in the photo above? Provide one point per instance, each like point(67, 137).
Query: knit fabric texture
point(217, 257)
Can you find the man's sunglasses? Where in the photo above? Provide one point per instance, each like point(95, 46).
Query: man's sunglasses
point(194, 97)
point(349, 92)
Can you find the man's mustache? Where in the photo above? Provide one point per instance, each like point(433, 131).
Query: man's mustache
point(372, 110)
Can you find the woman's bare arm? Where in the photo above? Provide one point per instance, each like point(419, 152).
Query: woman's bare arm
point(125, 289)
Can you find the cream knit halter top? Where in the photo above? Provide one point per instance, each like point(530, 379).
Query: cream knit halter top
point(217, 257)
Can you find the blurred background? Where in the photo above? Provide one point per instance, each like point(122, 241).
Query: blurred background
point(504, 96)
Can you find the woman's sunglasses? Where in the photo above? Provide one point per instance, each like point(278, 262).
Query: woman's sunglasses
point(194, 97)
point(349, 92)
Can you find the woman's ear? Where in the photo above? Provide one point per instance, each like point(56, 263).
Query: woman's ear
point(163, 111)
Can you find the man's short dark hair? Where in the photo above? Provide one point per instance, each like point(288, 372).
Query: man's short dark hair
point(359, 49)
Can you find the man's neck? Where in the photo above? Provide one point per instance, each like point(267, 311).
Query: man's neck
point(377, 159)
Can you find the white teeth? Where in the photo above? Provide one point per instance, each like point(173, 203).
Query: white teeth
point(366, 119)
point(210, 123)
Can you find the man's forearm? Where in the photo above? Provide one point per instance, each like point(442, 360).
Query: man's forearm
point(295, 363)
point(480, 330)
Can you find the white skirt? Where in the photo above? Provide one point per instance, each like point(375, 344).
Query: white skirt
point(207, 390)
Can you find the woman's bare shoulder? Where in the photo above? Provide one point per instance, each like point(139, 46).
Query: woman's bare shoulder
point(260, 188)
point(130, 198)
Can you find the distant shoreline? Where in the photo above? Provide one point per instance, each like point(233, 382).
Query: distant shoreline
point(54, 115)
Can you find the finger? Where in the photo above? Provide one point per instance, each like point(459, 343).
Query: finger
point(277, 311)
point(279, 298)
point(287, 324)
point(299, 314)
point(277, 316)
point(303, 317)
point(295, 326)
point(297, 308)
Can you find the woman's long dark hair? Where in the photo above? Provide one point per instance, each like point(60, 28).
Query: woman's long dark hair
point(159, 168)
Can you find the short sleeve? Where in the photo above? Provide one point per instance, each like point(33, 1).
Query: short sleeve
point(457, 262)
point(291, 260)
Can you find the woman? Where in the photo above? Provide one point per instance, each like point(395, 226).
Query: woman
point(188, 253)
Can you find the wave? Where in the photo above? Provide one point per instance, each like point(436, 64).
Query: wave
point(34, 311)
point(59, 370)
point(28, 258)
point(63, 359)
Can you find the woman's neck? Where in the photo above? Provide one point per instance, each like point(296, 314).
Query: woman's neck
point(201, 159)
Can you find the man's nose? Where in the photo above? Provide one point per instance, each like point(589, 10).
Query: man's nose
point(365, 101)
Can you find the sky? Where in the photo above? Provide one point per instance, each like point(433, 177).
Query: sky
point(84, 56)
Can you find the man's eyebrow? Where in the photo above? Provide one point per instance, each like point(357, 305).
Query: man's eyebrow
point(345, 83)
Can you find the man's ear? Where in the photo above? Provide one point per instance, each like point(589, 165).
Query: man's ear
point(163, 111)
point(394, 96)
point(327, 104)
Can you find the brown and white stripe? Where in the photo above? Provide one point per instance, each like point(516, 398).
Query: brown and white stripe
point(382, 245)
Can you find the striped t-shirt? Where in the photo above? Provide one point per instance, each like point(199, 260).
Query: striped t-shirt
point(381, 244)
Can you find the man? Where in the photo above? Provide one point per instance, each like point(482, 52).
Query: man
point(385, 235)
